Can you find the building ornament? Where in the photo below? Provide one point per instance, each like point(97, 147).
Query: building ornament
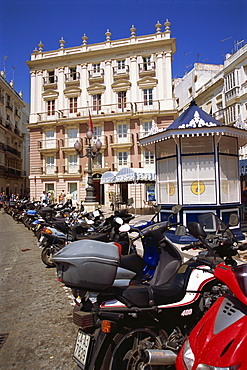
point(62, 42)
point(133, 31)
point(197, 121)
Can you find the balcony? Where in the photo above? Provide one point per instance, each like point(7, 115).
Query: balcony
point(121, 141)
point(96, 75)
point(147, 69)
point(232, 95)
point(72, 170)
point(49, 171)
point(13, 151)
point(48, 146)
point(122, 72)
point(50, 82)
point(81, 113)
point(13, 171)
point(72, 79)
point(67, 144)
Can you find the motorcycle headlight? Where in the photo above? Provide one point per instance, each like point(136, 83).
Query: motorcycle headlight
point(188, 356)
point(208, 367)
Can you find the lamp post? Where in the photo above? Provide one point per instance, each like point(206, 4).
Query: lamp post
point(91, 152)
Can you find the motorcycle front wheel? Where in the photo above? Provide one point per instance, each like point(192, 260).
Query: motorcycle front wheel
point(128, 349)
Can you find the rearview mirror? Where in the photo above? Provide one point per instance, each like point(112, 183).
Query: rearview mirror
point(180, 230)
point(177, 208)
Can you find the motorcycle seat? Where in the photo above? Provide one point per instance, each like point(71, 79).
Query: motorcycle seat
point(150, 295)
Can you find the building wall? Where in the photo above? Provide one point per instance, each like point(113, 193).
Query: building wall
point(14, 139)
point(127, 87)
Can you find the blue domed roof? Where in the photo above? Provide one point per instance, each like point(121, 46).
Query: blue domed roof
point(194, 117)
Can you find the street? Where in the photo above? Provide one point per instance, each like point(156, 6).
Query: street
point(36, 328)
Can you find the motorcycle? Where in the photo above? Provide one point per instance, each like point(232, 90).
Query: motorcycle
point(141, 325)
point(56, 236)
point(222, 332)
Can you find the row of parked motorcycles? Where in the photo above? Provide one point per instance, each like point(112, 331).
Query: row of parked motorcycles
point(156, 309)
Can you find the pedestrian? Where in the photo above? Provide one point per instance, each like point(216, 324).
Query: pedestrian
point(43, 197)
point(62, 197)
point(69, 199)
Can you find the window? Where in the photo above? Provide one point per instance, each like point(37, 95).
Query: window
point(146, 63)
point(122, 131)
point(122, 100)
point(50, 167)
point(97, 102)
point(72, 163)
point(96, 68)
point(97, 133)
point(147, 126)
point(72, 72)
point(148, 96)
point(51, 107)
point(73, 105)
point(72, 136)
point(148, 158)
point(121, 64)
point(122, 158)
point(51, 77)
point(50, 141)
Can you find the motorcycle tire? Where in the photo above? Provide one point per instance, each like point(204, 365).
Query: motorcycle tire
point(124, 351)
point(46, 256)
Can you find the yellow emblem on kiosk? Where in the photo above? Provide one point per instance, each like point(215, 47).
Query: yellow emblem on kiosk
point(170, 189)
point(225, 187)
point(197, 187)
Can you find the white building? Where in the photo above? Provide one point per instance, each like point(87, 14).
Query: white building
point(127, 87)
point(223, 94)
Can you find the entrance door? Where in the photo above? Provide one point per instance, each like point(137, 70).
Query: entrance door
point(124, 192)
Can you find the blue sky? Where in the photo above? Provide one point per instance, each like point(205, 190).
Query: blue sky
point(199, 27)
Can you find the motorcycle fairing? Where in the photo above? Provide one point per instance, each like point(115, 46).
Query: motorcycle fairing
point(227, 315)
point(223, 349)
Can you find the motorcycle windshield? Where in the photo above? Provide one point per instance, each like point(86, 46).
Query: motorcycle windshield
point(240, 273)
point(213, 224)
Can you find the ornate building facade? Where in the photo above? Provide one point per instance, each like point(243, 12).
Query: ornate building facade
point(125, 84)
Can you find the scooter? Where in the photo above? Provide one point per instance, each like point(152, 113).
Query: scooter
point(219, 340)
point(140, 326)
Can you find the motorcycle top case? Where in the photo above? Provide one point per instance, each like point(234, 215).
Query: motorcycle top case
point(87, 264)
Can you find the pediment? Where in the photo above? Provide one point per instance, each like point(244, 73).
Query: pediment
point(147, 82)
point(72, 91)
point(96, 88)
point(50, 94)
point(121, 85)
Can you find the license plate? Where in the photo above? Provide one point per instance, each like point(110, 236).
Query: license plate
point(82, 344)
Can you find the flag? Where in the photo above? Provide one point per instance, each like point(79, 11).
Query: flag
point(90, 122)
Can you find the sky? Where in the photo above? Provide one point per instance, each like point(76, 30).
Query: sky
point(205, 30)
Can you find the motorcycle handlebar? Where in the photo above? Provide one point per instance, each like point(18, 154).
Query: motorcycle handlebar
point(191, 246)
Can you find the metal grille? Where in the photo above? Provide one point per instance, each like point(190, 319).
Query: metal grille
point(3, 337)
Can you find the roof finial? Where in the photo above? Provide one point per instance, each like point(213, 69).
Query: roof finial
point(62, 42)
point(133, 31)
point(84, 39)
point(158, 27)
point(193, 102)
point(40, 45)
point(108, 35)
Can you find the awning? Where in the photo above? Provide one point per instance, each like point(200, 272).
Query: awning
point(134, 175)
point(108, 177)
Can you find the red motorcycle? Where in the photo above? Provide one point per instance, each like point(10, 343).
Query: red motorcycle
point(219, 340)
